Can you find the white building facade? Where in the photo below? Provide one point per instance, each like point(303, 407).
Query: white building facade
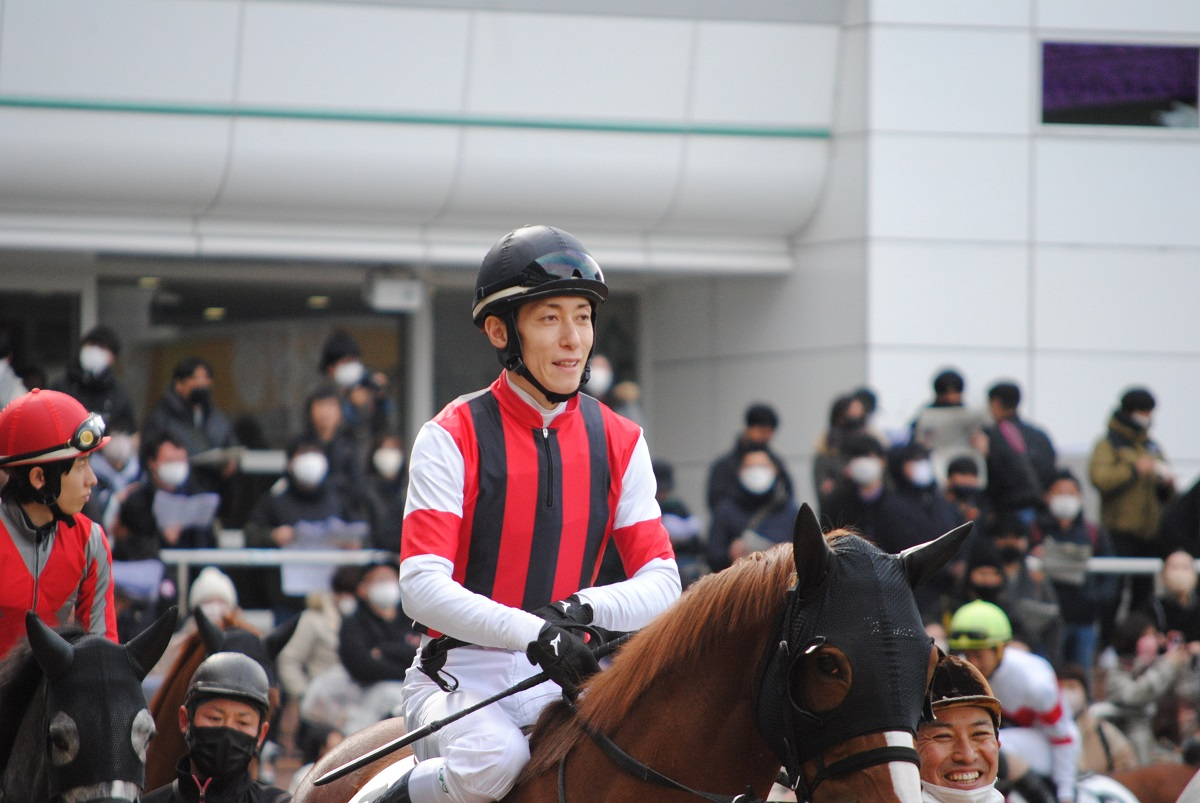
point(801, 200)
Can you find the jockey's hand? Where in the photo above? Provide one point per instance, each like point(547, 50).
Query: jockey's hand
point(563, 656)
point(566, 611)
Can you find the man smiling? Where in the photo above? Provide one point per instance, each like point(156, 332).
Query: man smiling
point(959, 751)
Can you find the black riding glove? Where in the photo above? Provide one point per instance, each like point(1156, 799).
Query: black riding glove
point(569, 611)
point(563, 656)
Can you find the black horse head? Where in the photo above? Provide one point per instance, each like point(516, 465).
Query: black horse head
point(851, 656)
point(264, 649)
point(96, 720)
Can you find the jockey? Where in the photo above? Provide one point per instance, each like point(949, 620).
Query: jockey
point(960, 754)
point(224, 720)
point(1040, 729)
point(54, 560)
point(515, 492)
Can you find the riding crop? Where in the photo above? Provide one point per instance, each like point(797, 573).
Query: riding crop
point(433, 727)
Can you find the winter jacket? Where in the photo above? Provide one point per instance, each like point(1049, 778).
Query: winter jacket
point(101, 393)
point(173, 415)
point(374, 649)
point(1129, 502)
point(184, 789)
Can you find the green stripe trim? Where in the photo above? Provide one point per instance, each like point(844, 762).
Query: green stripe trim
point(470, 121)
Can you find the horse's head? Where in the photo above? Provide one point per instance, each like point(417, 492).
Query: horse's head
point(263, 649)
point(851, 657)
point(97, 724)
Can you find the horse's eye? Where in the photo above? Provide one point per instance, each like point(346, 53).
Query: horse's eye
point(828, 665)
point(62, 739)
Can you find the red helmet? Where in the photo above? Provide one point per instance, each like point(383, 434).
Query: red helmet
point(44, 426)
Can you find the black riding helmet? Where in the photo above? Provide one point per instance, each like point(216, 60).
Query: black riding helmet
point(530, 263)
point(229, 675)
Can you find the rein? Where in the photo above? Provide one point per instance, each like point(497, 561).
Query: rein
point(637, 769)
point(804, 787)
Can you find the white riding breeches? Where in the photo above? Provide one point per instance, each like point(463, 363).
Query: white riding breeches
point(478, 758)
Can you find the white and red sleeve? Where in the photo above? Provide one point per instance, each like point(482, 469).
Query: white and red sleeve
point(432, 519)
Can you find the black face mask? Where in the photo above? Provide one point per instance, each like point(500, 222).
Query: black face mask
point(200, 397)
point(1011, 554)
point(965, 493)
point(220, 753)
point(988, 593)
point(853, 424)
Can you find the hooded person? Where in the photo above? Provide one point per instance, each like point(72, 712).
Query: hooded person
point(224, 722)
point(959, 748)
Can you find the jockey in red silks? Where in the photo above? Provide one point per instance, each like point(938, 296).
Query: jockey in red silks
point(515, 493)
point(54, 560)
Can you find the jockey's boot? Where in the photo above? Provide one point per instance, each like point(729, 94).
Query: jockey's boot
point(397, 792)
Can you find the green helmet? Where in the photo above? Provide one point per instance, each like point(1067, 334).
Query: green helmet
point(979, 625)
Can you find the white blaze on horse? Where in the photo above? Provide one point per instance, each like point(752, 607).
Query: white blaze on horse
point(73, 719)
point(811, 655)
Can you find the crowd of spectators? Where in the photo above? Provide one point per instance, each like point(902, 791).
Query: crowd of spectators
point(1124, 651)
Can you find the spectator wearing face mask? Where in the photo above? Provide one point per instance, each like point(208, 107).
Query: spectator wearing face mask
point(760, 514)
point(1177, 609)
point(1131, 472)
point(302, 502)
point(1029, 596)
point(964, 489)
point(1104, 748)
point(165, 509)
point(847, 417)
point(386, 492)
point(187, 412)
point(858, 495)
point(325, 425)
point(1065, 542)
point(92, 380)
point(377, 645)
point(117, 468)
point(363, 392)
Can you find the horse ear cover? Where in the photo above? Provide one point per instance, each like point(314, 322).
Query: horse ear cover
point(53, 652)
point(212, 635)
point(144, 649)
point(923, 561)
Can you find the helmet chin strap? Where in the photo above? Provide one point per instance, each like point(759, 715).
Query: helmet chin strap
point(511, 359)
point(50, 497)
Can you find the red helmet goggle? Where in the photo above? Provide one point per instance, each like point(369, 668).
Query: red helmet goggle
point(87, 437)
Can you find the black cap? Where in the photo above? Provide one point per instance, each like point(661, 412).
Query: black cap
point(1137, 400)
point(762, 415)
point(339, 345)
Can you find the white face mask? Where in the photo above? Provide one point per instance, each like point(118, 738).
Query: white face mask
point(920, 473)
point(1179, 580)
point(310, 468)
point(385, 596)
point(1065, 507)
point(388, 461)
point(94, 359)
point(986, 794)
point(347, 606)
point(215, 610)
point(1075, 700)
point(757, 479)
point(348, 373)
point(865, 470)
point(173, 473)
point(600, 380)
point(119, 448)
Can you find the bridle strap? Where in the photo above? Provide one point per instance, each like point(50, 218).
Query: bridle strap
point(854, 763)
point(636, 768)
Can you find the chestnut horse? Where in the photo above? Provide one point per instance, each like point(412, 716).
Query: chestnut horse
point(73, 718)
point(237, 636)
point(811, 655)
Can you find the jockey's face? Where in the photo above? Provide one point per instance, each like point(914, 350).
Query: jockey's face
point(556, 339)
point(225, 713)
point(959, 749)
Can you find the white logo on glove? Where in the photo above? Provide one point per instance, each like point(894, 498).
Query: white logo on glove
point(554, 643)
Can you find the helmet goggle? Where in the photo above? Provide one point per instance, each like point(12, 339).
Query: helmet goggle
point(87, 436)
point(973, 639)
point(552, 267)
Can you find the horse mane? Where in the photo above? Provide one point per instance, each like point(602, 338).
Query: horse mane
point(20, 681)
point(742, 598)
